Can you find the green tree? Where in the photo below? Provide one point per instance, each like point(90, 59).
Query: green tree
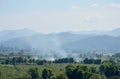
point(0, 75)
point(61, 76)
point(20, 59)
point(94, 69)
point(88, 61)
point(110, 69)
point(47, 74)
point(78, 72)
point(95, 76)
point(26, 76)
point(34, 73)
point(13, 61)
point(97, 61)
point(7, 61)
point(70, 71)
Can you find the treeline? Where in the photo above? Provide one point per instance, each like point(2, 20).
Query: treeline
point(27, 60)
point(108, 70)
point(92, 61)
point(64, 60)
point(17, 60)
point(117, 55)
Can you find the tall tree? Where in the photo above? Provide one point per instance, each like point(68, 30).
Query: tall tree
point(47, 74)
point(34, 73)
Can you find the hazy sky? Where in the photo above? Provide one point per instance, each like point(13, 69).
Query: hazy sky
point(60, 15)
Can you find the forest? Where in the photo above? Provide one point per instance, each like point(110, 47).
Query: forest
point(26, 67)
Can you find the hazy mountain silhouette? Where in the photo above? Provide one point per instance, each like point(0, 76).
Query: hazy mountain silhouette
point(61, 42)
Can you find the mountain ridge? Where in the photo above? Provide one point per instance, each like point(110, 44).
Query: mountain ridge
point(61, 42)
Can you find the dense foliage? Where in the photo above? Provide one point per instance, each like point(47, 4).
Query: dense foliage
point(25, 67)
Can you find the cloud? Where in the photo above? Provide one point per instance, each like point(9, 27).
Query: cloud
point(115, 5)
point(94, 5)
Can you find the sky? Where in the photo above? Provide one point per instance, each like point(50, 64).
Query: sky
point(48, 16)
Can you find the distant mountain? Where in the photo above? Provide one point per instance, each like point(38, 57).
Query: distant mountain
point(114, 32)
point(61, 43)
point(99, 43)
point(68, 37)
point(9, 34)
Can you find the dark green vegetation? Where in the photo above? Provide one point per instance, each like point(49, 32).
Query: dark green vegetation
point(24, 67)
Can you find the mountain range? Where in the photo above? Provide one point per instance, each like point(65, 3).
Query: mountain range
point(25, 39)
